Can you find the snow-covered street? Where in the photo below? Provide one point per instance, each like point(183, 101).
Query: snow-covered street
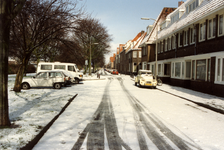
point(113, 113)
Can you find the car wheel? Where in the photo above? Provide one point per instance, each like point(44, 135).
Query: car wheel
point(139, 84)
point(77, 81)
point(25, 86)
point(57, 85)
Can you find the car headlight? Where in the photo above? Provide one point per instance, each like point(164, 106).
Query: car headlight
point(80, 75)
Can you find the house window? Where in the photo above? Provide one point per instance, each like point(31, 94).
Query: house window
point(220, 70)
point(221, 25)
point(201, 69)
point(143, 51)
point(214, 27)
point(134, 54)
point(165, 45)
point(172, 69)
point(188, 69)
point(193, 69)
point(182, 69)
point(140, 54)
point(223, 69)
point(173, 42)
point(218, 73)
point(192, 35)
point(167, 69)
point(177, 69)
point(161, 46)
point(211, 28)
point(202, 32)
point(169, 43)
point(158, 48)
point(180, 39)
point(209, 69)
point(153, 69)
point(159, 69)
point(192, 6)
point(185, 38)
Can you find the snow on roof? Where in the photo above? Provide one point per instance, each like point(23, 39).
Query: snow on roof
point(133, 44)
point(205, 8)
point(150, 37)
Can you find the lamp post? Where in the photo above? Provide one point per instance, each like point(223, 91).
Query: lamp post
point(156, 44)
point(90, 55)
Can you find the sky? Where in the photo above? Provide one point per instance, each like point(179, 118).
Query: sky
point(122, 18)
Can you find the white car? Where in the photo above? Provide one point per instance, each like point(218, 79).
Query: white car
point(145, 78)
point(55, 79)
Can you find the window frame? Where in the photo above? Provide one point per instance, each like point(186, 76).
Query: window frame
point(222, 26)
point(219, 71)
point(202, 30)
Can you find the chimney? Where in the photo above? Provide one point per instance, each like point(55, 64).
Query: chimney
point(180, 3)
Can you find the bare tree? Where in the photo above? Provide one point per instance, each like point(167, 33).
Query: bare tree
point(8, 10)
point(38, 28)
point(87, 32)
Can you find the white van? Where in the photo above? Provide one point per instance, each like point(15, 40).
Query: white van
point(70, 67)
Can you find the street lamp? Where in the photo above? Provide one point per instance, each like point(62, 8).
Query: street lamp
point(90, 56)
point(156, 43)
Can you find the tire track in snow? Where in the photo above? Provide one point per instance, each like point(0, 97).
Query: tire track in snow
point(146, 119)
point(103, 118)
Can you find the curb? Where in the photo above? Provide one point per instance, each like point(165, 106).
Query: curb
point(32, 143)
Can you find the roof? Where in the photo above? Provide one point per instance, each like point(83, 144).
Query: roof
point(134, 44)
point(205, 8)
point(150, 37)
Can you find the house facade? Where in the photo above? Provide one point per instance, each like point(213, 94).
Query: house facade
point(148, 44)
point(130, 55)
point(191, 47)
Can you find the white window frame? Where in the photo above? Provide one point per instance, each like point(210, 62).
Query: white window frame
point(135, 54)
point(211, 28)
point(221, 26)
point(220, 68)
point(192, 35)
point(179, 39)
point(161, 47)
point(140, 54)
point(185, 38)
point(173, 41)
point(169, 43)
point(202, 28)
point(165, 48)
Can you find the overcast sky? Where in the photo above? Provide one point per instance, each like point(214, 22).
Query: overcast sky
point(122, 18)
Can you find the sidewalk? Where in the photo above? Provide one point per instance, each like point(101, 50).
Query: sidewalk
point(205, 100)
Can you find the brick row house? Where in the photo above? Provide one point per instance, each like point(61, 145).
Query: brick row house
point(129, 58)
point(191, 47)
point(189, 41)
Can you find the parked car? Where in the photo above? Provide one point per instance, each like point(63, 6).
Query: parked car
point(69, 67)
point(145, 78)
point(55, 79)
point(115, 72)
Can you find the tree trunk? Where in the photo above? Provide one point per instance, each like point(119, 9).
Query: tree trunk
point(4, 47)
point(19, 75)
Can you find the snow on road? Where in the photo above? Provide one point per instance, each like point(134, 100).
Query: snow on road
point(30, 109)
